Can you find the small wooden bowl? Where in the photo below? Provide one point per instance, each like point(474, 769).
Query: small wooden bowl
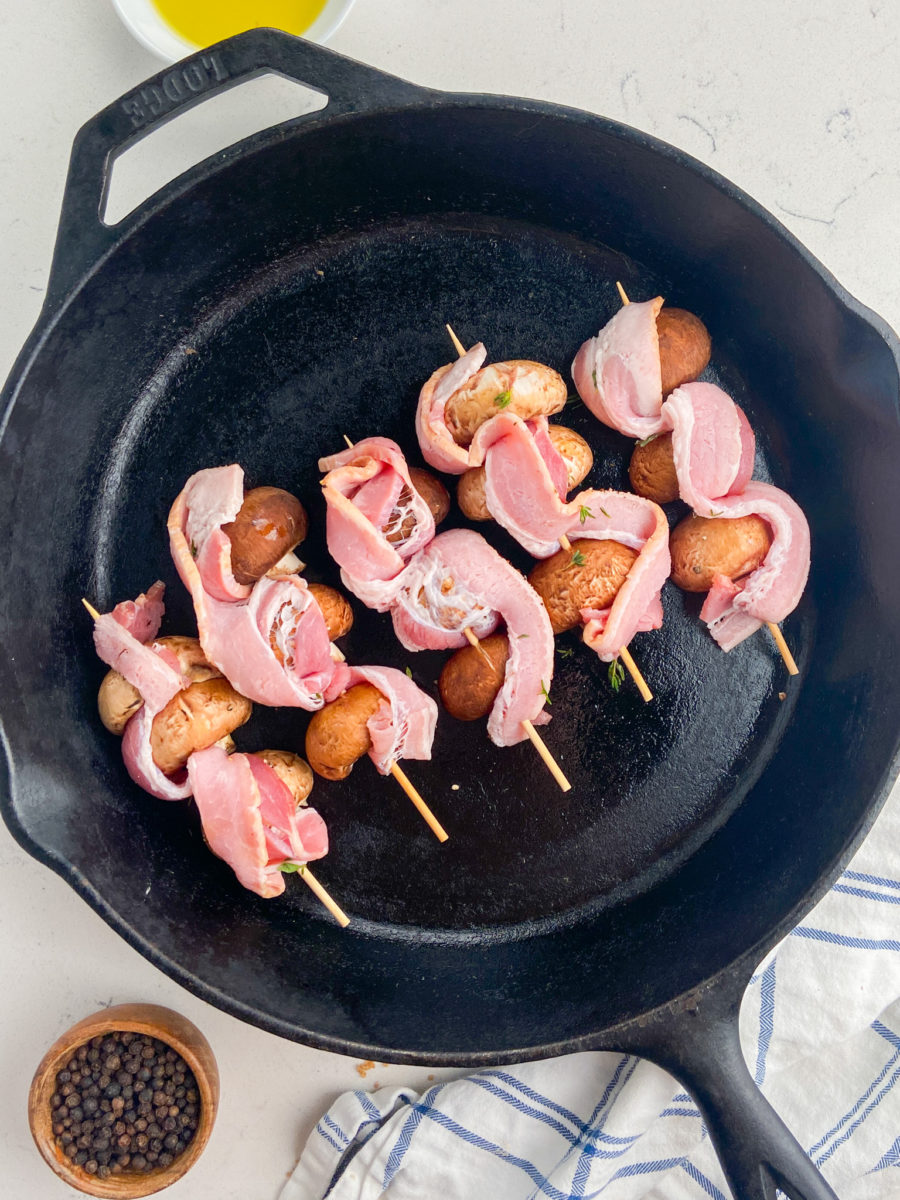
point(149, 1020)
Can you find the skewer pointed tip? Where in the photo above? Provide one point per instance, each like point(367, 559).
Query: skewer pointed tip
point(347, 440)
point(622, 293)
point(94, 614)
point(783, 648)
point(634, 672)
point(431, 820)
point(549, 761)
point(322, 895)
point(460, 348)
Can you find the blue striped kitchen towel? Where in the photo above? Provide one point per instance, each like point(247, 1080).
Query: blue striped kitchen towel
point(820, 1027)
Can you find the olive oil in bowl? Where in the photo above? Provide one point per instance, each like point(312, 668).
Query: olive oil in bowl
point(203, 22)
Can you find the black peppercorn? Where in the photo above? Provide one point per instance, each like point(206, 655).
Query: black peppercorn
point(124, 1103)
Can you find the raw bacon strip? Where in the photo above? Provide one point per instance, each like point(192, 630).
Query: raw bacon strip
point(213, 498)
point(363, 488)
point(712, 444)
point(774, 589)
point(617, 373)
point(156, 674)
point(292, 831)
point(138, 758)
point(249, 818)
point(477, 570)
point(142, 617)
point(556, 464)
point(521, 496)
point(435, 440)
point(272, 647)
point(433, 605)
point(404, 724)
point(148, 668)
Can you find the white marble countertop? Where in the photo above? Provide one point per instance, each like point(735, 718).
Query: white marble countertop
point(797, 103)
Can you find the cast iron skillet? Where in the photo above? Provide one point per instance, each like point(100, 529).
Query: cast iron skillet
point(294, 289)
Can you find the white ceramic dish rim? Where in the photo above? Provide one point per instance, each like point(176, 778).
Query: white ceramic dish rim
point(145, 22)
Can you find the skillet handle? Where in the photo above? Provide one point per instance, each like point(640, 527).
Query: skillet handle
point(84, 238)
point(699, 1044)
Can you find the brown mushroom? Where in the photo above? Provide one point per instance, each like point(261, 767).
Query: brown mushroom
point(432, 492)
point(402, 520)
point(473, 676)
point(525, 388)
point(652, 469)
point(574, 451)
point(269, 525)
point(702, 547)
point(335, 609)
point(118, 700)
point(572, 448)
point(291, 770)
point(684, 347)
point(195, 719)
point(338, 734)
point(588, 576)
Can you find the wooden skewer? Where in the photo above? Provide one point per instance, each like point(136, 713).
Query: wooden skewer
point(460, 348)
point(434, 824)
point(565, 543)
point(783, 648)
point(316, 888)
point(347, 440)
point(94, 614)
point(635, 673)
point(539, 743)
point(473, 641)
point(549, 760)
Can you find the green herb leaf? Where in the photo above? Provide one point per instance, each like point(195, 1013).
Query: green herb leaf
point(578, 559)
point(647, 440)
point(521, 635)
point(594, 376)
point(583, 513)
point(545, 693)
point(564, 651)
point(193, 549)
point(616, 674)
point(409, 672)
point(503, 399)
point(291, 868)
point(605, 513)
point(715, 512)
point(571, 401)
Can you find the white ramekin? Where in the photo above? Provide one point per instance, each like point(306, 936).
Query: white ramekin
point(144, 20)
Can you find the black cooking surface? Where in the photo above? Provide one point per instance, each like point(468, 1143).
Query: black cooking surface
point(299, 294)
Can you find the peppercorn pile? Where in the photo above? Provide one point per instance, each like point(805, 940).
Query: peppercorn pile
point(124, 1103)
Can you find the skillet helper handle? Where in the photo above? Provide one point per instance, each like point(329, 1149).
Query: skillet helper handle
point(83, 236)
point(700, 1045)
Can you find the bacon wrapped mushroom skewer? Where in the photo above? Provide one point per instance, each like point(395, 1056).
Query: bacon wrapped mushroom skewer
point(269, 637)
point(377, 711)
point(684, 352)
point(576, 559)
point(249, 805)
point(421, 578)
